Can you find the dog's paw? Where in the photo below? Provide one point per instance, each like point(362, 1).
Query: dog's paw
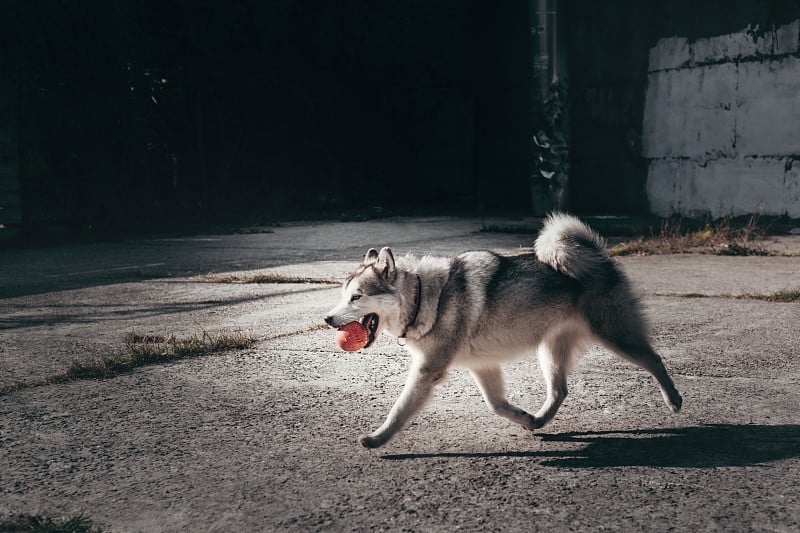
point(673, 400)
point(369, 442)
point(530, 422)
point(676, 402)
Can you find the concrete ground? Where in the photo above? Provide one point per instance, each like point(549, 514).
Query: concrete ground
point(264, 439)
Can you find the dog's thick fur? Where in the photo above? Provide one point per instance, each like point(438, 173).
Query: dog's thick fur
point(479, 309)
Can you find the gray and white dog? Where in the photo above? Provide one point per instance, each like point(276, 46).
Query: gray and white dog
point(479, 309)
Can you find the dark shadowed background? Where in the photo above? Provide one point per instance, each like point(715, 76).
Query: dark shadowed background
point(123, 114)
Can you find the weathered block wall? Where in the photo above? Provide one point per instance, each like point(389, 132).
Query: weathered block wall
point(721, 127)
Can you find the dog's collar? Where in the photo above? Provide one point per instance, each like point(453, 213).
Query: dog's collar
point(401, 340)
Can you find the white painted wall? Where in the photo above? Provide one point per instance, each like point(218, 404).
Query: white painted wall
point(721, 124)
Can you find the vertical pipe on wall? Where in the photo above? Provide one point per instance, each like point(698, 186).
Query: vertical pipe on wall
point(550, 124)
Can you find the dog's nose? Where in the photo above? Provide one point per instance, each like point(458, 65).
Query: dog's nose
point(329, 320)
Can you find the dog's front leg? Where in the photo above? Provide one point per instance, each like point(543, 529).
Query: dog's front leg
point(419, 385)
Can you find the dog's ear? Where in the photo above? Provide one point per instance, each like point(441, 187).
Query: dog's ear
point(386, 261)
point(371, 257)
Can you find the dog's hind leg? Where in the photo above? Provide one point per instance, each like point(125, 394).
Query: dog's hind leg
point(490, 382)
point(638, 351)
point(555, 360)
point(618, 325)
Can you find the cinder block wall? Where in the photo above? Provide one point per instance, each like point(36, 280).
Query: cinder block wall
point(721, 126)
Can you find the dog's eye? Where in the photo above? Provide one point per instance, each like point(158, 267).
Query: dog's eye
point(355, 297)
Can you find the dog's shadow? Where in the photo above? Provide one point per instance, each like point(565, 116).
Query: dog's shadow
point(706, 446)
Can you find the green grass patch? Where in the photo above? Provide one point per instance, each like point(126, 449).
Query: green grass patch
point(677, 237)
point(45, 524)
point(263, 278)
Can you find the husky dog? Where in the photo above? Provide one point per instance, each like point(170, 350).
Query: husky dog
point(479, 309)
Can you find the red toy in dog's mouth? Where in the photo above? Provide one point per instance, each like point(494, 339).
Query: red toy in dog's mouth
point(358, 334)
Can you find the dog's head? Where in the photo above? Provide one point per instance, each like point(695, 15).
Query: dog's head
point(369, 296)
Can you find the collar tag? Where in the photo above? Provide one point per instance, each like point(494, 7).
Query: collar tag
point(401, 341)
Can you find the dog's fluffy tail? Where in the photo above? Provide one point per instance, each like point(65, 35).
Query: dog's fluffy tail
point(571, 247)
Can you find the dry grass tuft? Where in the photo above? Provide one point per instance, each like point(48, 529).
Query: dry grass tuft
point(136, 338)
point(718, 238)
point(145, 350)
point(784, 296)
point(263, 278)
point(158, 348)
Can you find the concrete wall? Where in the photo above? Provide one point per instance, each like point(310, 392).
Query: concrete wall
point(721, 126)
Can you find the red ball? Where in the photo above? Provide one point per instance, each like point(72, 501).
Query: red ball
point(352, 336)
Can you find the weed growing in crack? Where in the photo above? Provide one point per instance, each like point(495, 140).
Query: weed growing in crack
point(718, 238)
point(153, 349)
point(46, 524)
point(736, 249)
point(784, 296)
point(263, 279)
point(143, 350)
